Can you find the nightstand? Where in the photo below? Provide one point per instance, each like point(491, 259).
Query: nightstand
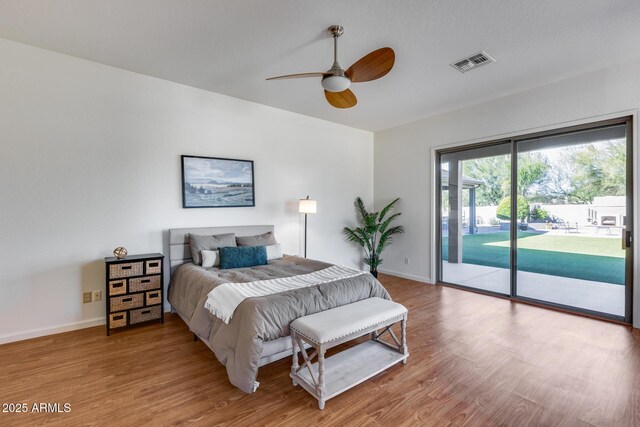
point(134, 290)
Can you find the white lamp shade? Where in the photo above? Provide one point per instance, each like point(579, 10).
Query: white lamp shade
point(307, 206)
point(335, 83)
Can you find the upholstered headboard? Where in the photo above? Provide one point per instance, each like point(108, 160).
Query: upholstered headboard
point(179, 251)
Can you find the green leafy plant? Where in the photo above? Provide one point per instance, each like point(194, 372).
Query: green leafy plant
point(537, 213)
point(504, 208)
point(375, 234)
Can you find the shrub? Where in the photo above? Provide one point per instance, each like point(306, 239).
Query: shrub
point(504, 208)
point(538, 213)
point(493, 221)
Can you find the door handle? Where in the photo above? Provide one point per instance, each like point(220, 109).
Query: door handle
point(627, 239)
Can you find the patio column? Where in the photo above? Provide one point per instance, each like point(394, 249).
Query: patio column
point(472, 210)
point(455, 212)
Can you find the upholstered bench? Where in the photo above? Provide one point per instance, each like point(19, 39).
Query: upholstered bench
point(331, 376)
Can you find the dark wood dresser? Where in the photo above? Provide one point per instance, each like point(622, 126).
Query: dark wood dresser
point(134, 290)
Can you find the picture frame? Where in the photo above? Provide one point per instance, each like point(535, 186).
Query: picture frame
point(216, 182)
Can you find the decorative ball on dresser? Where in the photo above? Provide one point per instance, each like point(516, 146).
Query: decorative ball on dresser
point(120, 252)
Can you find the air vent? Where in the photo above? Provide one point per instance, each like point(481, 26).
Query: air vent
point(474, 61)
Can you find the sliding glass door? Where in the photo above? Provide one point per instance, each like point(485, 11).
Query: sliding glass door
point(545, 218)
point(571, 246)
point(475, 244)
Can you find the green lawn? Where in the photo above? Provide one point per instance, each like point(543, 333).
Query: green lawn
point(588, 258)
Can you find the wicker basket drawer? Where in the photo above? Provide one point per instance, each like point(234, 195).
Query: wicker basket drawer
point(154, 297)
point(144, 283)
point(153, 266)
point(116, 271)
point(118, 320)
point(126, 302)
point(144, 314)
point(117, 287)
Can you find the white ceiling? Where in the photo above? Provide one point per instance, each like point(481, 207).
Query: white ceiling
point(231, 46)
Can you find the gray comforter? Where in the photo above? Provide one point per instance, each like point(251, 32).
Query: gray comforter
point(238, 345)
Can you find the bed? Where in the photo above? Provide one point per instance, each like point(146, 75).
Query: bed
point(258, 332)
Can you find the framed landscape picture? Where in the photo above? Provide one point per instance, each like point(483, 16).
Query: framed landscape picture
point(211, 182)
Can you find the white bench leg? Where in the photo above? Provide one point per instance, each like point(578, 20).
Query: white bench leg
point(294, 365)
point(321, 388)
point(404, 338)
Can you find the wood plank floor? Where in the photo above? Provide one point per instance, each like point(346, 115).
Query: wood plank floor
point(475, 360)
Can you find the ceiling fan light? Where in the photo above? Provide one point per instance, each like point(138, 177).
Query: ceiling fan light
point(336, 83)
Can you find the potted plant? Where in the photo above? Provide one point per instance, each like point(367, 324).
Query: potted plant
point(375, 234)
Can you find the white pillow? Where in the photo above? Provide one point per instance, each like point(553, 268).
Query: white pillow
point(274, 252)
point(210, 258)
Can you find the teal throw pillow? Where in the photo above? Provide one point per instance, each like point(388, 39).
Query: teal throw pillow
point(242, 256)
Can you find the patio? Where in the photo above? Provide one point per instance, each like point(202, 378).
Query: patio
point(587, 294)
point(584, 270)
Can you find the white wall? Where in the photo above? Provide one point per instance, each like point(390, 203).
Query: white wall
point(403, 155)
point(90, 160)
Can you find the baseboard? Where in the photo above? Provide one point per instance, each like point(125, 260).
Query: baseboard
point(422, 279)
point(35, 333)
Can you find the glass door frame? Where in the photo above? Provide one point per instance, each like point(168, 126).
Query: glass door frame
point(630, 219)
point(492, 148)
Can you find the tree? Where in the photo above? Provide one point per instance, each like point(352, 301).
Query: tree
point(532, 171)
point(584, 172)
point(600, 171)
point(504, 208)
point(571, 174)
point(494, 172)
point(559, 185)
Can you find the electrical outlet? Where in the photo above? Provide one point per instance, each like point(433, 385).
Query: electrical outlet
point(97, 295)
point(407, 261)
point(86, 297)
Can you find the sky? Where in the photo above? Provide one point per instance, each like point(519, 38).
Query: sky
point(200, 171)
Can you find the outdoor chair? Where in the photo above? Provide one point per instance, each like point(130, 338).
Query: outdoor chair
point(566, 226)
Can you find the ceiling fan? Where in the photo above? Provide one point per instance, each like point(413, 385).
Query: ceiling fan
point(336, 81)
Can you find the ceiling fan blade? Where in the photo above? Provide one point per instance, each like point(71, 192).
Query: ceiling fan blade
point(344, 99)
point(372, 66)
point(297, 76)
